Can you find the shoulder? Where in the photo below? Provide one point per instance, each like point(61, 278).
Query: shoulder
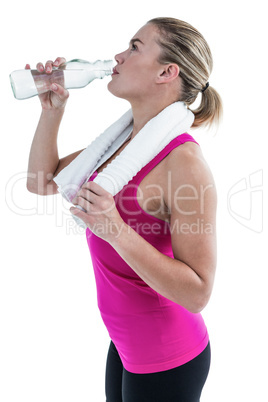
point(188, 173)
point(187, 160)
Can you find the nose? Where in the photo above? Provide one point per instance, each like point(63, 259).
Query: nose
point(119, 58)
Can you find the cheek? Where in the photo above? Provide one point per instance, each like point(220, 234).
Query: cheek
point(141, 77)
point(136, 79)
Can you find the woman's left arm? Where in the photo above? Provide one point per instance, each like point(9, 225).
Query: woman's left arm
point(191, 198)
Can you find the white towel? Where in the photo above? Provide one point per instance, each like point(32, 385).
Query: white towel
point(174, 120)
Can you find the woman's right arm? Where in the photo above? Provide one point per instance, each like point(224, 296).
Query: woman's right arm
point(44, 163)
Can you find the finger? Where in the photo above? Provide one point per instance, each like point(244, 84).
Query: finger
point(59, 61)
point(40, 67)
point(87, 195)
point(80, 214)
point(62, 93)
point(95, 188)
point(48, 66)
point(83, 203)
point(78, 207)
point(27, 67)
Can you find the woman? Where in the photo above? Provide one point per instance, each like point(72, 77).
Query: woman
point(155, 257)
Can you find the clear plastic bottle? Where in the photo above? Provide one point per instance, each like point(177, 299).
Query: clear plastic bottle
point(73, 74)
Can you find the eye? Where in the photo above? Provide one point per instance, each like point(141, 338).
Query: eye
point(134, 47)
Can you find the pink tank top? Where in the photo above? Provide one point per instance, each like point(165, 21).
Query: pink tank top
point(150, 332)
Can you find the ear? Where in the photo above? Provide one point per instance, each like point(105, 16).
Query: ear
point(169, 72)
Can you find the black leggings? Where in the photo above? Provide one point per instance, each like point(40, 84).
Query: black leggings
point(181, 384)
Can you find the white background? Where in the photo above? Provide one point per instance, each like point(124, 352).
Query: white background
point(53, 344)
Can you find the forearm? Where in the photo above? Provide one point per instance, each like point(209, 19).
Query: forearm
point(187, 279)
point(169, 277)
point(44, 158)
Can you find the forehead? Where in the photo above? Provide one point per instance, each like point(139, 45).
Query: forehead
point(147, 34)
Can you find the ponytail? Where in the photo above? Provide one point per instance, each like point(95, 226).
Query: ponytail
point(184, 45)
point(210, 110)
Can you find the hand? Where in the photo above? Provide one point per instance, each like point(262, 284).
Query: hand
point(57, 97)
point(101, 215)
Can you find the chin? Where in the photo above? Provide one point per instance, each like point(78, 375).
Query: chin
point(115, 91)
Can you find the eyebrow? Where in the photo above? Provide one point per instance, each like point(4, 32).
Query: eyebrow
point(135, 40)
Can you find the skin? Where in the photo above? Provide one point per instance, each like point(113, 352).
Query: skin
point(142, 80)
point(180, 189)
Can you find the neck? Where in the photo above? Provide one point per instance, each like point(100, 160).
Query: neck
point(142, 113)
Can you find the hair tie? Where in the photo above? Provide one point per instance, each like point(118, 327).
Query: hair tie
point(207, 85)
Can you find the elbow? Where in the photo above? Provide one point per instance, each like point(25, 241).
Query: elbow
point(33, 188)
point(198, 303)
point(197, 307)
point(201, 296)
point(32, 183)
point(37, 185)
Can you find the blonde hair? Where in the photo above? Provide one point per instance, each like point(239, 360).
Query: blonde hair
point(183, 45)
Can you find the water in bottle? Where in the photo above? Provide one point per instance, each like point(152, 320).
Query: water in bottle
point(73, 74)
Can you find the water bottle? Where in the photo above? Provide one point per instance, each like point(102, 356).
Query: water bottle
point(73, 74)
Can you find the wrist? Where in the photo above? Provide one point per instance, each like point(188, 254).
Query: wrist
point(53, 112)
point(118, 234)
point(52, 117)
